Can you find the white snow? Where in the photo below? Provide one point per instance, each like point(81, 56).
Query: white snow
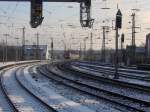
point(70, 94)
point(4, 106)
point(20, 97)
point(146, 73)
point(124, 91)
point(123, 79)
point(6, 63)
point(13, 62)
point(56, 101)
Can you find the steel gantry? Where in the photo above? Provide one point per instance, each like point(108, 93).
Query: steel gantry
point(37, 11)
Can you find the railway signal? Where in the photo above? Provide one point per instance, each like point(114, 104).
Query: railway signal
point(119, 19)
point(36, 13)
point(85, 14)
point(118, 26)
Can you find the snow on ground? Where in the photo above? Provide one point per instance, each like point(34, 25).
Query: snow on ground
point(99, 68)
point(123, 79)
point(19, 96)
point(56, 101)
point(5, 63)
point(81, 98)
point(13, 62)
point(106, 86)
point(4, 106)
point(146, 73)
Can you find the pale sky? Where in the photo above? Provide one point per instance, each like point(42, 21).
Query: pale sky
point(57, 17)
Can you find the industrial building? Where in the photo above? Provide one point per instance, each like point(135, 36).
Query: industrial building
point(32, 52)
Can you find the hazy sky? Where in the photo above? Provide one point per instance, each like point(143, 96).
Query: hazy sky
point(57, 17)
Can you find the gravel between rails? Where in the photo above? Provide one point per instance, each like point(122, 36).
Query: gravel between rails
point(91, 91)
point(126, 70)
point(145, 96)
point(109, 72)
point(98, 105)
point(22, 100)
point(143, 85)
point(48, 96)
point(135, 93)
point(78, 79)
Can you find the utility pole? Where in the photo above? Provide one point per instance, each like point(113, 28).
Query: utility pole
point(80, 51)
point(91, 46)
point(3, 51)
point(23, 43)
point(103, 58)
point(65, 48)
point(37, 47)
point(84, 40)
point(6, 47)
point(133, 49)
point(122, 41)
point(52, 50)
point(17, 53)
point(133, 29)
point(133, 37)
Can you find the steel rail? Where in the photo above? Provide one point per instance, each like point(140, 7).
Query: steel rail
point(81, 87)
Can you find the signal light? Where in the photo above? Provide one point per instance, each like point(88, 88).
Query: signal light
point(119, 19)
point(36, 13)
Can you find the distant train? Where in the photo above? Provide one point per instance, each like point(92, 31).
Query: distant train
point(71, 55)
point(67, 55)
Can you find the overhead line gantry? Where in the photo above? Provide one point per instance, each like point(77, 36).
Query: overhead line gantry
point(37, 11)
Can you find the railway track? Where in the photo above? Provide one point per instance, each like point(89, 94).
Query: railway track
point(133, 85)
point(130, 103)
point(122, 69)
point(111, 72)
point(5, 102)
point(17, 96)
point(127, 73)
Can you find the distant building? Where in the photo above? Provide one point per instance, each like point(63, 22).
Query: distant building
point(30, 52)
point(148, 45)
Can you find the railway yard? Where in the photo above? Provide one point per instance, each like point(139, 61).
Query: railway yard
point(73, 87)
point(74, 56)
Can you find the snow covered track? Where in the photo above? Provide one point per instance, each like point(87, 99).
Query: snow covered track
point(126, 82)
point(72, 94)
point(49, 97)
point(57, 88)
point(5, 103)
point(21, 99)
point(78, 83)
point(127, 73)
point(18, 98)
